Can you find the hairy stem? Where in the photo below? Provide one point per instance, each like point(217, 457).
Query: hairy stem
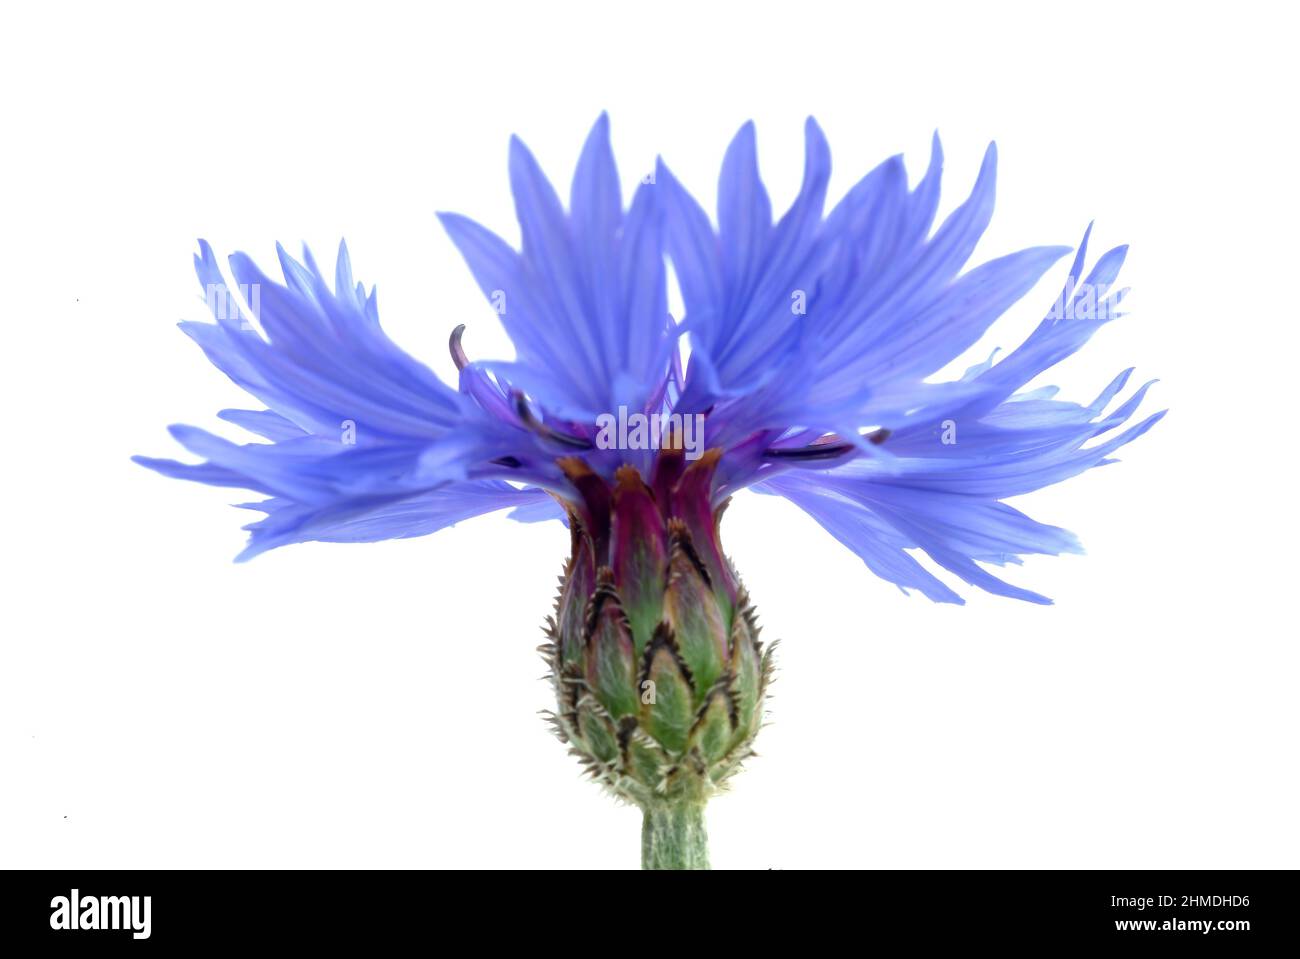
point(673, 837)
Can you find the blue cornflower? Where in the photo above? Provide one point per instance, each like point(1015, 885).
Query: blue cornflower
point(812, 345)
point(811, 340)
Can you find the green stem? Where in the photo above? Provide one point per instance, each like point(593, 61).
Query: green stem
point(673, 837)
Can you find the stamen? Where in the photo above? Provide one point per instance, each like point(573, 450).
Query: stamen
point(458, 355)
point(826, 448)
point(530, 420)
point(817, 451)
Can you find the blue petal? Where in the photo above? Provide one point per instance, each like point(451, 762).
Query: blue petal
point(744, 212)
point(368, 520)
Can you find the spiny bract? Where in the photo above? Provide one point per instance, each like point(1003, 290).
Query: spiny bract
point(654, 651)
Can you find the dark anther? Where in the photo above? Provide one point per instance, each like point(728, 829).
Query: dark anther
point(817, 451)
point(826, 449)
point(530, 420)
point(457, 351)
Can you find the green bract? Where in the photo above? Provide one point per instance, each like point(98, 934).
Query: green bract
point(659, 673)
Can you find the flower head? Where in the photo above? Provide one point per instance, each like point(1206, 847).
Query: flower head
point(813, 342)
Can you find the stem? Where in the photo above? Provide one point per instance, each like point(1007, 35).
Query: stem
point(673, 837)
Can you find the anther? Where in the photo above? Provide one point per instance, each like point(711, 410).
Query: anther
point(826, 449)
point(529, 419)
point(458, 355)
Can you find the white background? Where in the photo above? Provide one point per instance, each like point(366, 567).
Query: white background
point(377, 705)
